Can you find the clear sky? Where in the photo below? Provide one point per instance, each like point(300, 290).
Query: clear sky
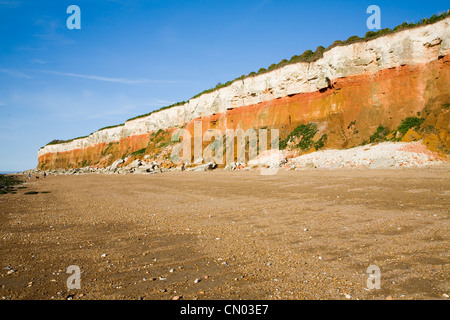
point(132, 57)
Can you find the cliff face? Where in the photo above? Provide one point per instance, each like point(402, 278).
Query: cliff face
point(348, 93)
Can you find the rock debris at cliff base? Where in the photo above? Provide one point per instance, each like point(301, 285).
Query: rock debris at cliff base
point(373, 156)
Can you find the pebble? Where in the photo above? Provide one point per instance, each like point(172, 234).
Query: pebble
point(104, 255)
point(197, 280)
point(348, 296)
point(385, 154)
point(176, 298)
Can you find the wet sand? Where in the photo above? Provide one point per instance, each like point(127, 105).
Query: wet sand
point(296, 235)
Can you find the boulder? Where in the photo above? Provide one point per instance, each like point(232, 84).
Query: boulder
point(310, 165)
point(231, 166)
point(382, 163)
point(115, 164)
point(203, 167)
point(135, 164)
point(270, 158)
point(336, 165)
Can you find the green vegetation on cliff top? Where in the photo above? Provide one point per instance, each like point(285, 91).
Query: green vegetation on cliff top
point(307, 56)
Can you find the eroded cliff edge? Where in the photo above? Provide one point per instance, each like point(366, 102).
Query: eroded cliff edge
point(348, 94)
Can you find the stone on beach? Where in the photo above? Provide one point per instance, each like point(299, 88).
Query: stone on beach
point(374, 156)
point(382, 163)
point(203, 167)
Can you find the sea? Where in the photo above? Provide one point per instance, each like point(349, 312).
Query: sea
point(7, 172)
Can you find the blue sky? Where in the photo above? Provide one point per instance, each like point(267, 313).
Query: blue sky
point(132, 57)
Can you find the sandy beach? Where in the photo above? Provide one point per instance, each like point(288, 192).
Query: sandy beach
point(307, 234)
